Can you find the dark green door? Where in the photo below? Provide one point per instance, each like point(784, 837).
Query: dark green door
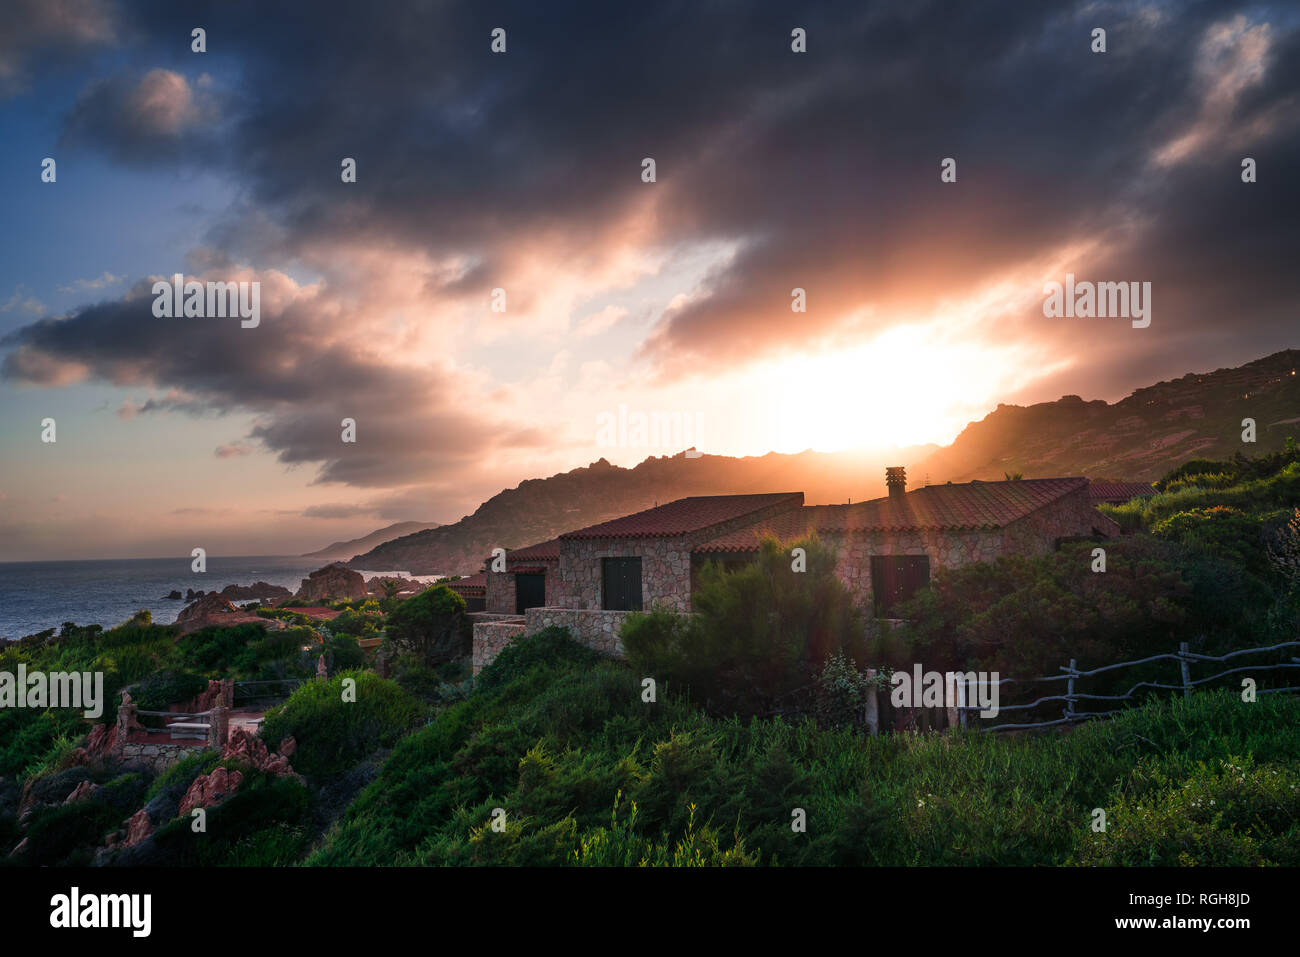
point(530, 591)
point(621, 584)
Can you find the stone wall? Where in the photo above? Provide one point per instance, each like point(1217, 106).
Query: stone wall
point(159, 756)
point(594, 628)
point(500, 593)
point(945, 549)
point(490, 637)
point(501, 585)
point(665, 570)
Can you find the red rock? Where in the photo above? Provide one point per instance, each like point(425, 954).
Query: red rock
point(81, 792)
point(332, 582)
point(138, 828)
point(288, 746)
point(252, 750)
point(209, 789)
point(211, 609)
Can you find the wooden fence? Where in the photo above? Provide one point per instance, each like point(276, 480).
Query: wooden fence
point(1070, 675)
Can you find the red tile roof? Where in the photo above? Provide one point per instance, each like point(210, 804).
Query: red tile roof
point(542, 551)
point(1117, 492)
point(685, 515)
point(970, 506)
point(474, 584)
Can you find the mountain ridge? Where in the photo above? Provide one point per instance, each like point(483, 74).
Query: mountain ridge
point(1138, 438)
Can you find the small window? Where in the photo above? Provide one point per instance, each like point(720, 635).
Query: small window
point(621, 584)
point(896, 578)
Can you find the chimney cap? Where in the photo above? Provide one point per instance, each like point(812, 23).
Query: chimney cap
point(896, 480)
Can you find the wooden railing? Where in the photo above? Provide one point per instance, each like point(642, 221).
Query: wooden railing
point(1070, 675)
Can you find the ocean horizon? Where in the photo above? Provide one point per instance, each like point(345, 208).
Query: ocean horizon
point(35, 596)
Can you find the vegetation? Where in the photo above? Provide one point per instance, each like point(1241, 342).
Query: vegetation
point(752, 751)
point(335, 730)
point(433, 625)
point(588, 773)
point(758, 633)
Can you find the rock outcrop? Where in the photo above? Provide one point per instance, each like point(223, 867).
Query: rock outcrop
point(252, 750)
point(405, 586)
point(332, 582)
point(256, 590)
point(207, 790)
point(209, 606)
point(81, 792)
point(138, 828)
point(213, 609)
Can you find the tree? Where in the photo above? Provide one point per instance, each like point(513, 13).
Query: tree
point(434, 625)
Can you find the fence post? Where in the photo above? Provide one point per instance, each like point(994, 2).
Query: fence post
point(1069, 690)
point(873, 704)
point(1185, 667)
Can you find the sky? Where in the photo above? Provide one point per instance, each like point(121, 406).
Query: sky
point(501, 278)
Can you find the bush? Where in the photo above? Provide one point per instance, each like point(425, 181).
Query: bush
point(67, 834)
point(433, 624)
point(334, 734)
point(264, 824)
point(758, 633)
point(1228, 814)
point(345, 654)
point(552, 646)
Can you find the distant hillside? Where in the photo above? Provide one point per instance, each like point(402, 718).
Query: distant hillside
point(539, 509)
point(345, 550)
point(1140, 437)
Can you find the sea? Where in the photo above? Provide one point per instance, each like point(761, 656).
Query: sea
point(35, 596)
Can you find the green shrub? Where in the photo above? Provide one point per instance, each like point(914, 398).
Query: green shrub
point(758, 633)
point(1227, 814)
point(334, 734)
point(262, 824)
point(553, 646)
point(433, 624)
point(67, 834)
point(345, 653)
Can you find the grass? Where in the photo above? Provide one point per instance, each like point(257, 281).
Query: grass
point(587, 773)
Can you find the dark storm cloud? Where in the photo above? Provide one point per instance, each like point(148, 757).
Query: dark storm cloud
point(48, 34)
point(821, 170)
point(410, 422)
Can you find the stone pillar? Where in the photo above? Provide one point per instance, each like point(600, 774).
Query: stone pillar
point(218, 726)
point(126, 717)
point(227, 693)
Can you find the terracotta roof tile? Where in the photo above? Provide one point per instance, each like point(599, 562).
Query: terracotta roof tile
point(474, 584)
point(685, 515)
point(970, 506)
point(542, 551)
point(1117, 492)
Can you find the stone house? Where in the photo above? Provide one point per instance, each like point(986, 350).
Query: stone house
point(473, 589)
point(530, 579)
point(887, 548)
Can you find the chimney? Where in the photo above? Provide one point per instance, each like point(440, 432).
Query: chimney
point(896, 481)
